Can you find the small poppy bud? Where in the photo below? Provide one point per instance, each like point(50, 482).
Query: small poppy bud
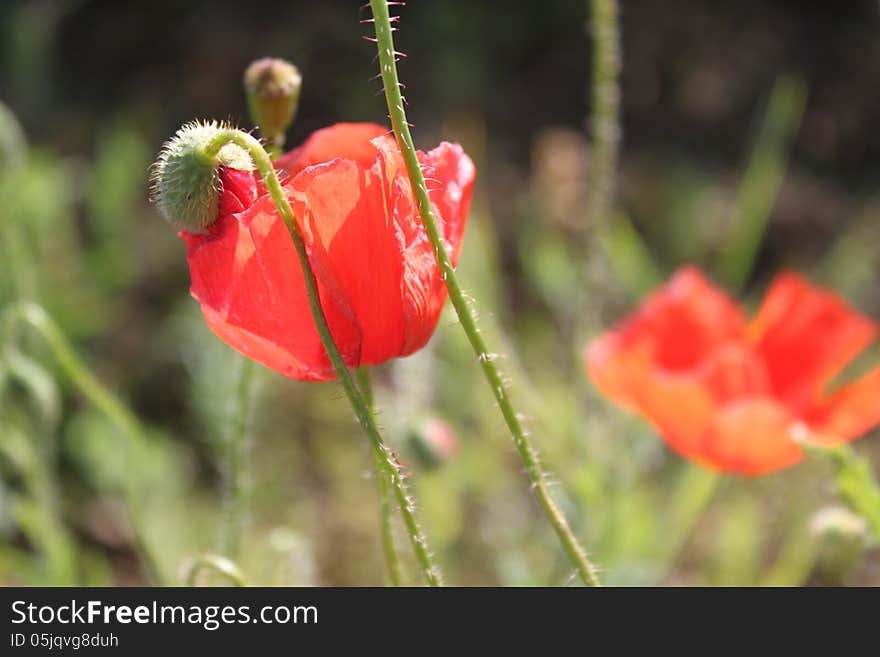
point(842, 538)
point(433, 442)
point(186, 181)
point(838, 522)
point(272, 87)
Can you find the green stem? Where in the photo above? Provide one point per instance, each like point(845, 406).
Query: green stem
point(527, 452)
point(695, 490)
point(214, 563)
point(794, 562)
point(395, 576)
point(362, 411)
point(857, 485)
point(38, 510)
point(34, 315)
point(17, 259)
point(605, 121)
point(762, 181)
point(236, 474)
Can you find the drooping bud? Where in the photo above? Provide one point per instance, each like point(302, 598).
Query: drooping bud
point(272, 88)
point(186, 180)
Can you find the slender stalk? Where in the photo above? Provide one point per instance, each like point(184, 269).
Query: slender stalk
point(695, 490)
point(757, 192)
point(605, 120)
point(34, 315)
point(527, 452)
point(38, 511)
point(236, 466)
point(395, 576)
point(858, 485)
point(361, 409)
point(794, 561)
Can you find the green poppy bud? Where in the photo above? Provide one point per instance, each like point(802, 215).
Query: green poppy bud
point(272, 88)
point(186, 181)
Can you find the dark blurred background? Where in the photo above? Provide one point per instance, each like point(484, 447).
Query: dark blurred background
point(695, 75)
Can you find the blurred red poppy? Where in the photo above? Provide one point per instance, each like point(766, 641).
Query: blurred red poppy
point(738, 396)
point(380, 288)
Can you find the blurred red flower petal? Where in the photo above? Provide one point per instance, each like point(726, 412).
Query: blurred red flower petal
point(752, 436)
point(850, 411)
point(734, 396)
point(806, 336)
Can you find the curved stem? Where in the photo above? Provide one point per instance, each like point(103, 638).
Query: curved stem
point(236, 474)
point(526, 451)
point(395, 576)
point(105, 402)
point(215, 563)
point(388, 461)
point(605, 121)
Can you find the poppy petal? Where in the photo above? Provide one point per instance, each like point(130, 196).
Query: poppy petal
point(850, 411)
point(238, 190)
point(733, 370)
point(680, 409)
point(246, 276)
point(449, 174)
point(616, 369)
point(752, 436)
point(684, 321)
point(342, 207)
point(806, 335)
point(678, 406)
point(350, 141)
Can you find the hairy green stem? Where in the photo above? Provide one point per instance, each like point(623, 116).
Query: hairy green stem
point(34, 315)
point(605, 120)
point(527, 452)
point(362, 411)
point(395, 576)
point(236, 470)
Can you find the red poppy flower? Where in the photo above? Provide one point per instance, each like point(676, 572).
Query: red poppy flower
point(380, 288)
point(736, 395)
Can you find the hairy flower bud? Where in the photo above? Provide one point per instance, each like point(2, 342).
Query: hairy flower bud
point(186, 180)
point(272, 87)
